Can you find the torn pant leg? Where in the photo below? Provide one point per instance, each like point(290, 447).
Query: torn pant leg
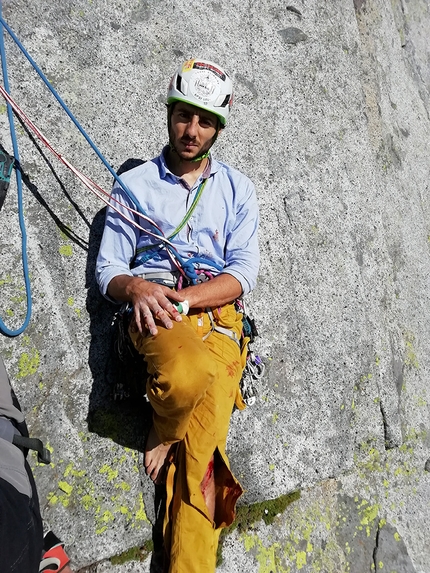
point(193, 386)
point(192, 535)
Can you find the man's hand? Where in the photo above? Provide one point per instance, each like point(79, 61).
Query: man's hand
point(150, 301)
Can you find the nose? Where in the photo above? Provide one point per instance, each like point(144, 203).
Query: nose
point(192, 126)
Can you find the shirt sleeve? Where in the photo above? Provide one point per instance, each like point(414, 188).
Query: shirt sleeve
point(118, 244)
point(242, 255)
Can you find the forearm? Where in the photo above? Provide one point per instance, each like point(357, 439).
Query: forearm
point(121, 287)
point(221, 290)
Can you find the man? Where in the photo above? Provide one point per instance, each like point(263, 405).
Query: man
point(22, 544)
point(209, 215)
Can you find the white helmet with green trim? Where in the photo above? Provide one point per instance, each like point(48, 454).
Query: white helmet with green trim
point(203, 84)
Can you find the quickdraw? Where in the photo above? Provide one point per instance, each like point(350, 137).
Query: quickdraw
point(6, 166)
point(254, 367)
point(251, 376)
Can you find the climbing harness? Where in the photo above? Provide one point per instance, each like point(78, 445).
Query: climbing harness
point(127, 354)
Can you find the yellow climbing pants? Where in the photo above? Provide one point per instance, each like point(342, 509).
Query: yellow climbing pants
point(192, 386)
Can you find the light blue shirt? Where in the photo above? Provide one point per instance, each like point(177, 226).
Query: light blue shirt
point(221, 230)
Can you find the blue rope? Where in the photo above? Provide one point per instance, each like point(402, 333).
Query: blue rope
point(189, 269)
point(3, 328)
point(57, 96)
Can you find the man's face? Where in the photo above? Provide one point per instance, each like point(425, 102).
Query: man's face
point(192, 130)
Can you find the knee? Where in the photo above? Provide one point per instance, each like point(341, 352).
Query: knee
point(184, 380)
point(191, 376)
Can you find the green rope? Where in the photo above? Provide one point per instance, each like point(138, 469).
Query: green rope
point(182, 223)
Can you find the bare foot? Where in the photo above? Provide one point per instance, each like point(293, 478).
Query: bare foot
point(207, 488)
point(155, 456)
point(66, 569)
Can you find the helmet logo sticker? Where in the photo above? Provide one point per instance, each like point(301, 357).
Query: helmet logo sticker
point(210, 67)
point(205, 87)
point(188, 65)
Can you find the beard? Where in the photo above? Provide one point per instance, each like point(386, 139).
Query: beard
point(177, 145)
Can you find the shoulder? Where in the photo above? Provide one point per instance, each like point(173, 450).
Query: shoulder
point(133, 167)
point(129, 164)
point(134, 170)
point(229, 171)
point(240, 182)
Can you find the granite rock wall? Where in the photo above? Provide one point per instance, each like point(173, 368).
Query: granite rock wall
point(331, 121)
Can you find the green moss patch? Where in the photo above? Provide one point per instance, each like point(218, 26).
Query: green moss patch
point(248, 515)
point(133, 554)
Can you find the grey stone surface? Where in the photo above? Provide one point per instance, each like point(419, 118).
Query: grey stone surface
point(391, 553)
point(292, 35)
point(325, 530)
point(334, 132)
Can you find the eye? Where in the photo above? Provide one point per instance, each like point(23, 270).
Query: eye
point(182, 114)
point(206, 122)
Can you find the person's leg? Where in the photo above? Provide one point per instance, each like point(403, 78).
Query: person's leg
point(192, 387)
point(180, 369)
point(202, 504)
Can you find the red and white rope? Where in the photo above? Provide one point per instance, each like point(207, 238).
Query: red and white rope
point(89, 183)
